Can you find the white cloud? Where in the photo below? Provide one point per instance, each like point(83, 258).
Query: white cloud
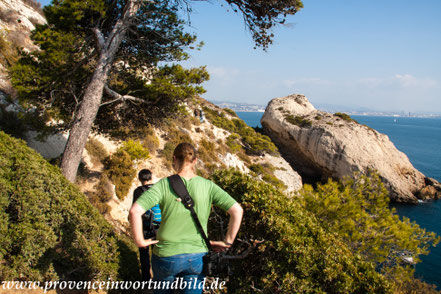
point(223, 72)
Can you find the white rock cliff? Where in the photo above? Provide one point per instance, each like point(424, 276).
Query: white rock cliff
point(320, 145)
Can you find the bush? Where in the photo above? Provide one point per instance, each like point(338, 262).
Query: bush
point(173, 137)
point(358, 210)
point(344, 116)
point(233, 142)
point(297, 255)
point(103, 193)
point(49, 230)
point(96, 150)
point(8, 51)
point(151, 142)
point(298, 121)
point(254, 143)
point(119, 169)
point(230, 112)
point(207, 152)
point(267, 172)
point(135, 149)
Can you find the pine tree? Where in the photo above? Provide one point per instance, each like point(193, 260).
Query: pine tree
point(95, 55)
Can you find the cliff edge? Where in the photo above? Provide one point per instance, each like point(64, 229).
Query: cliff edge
point(320, 145)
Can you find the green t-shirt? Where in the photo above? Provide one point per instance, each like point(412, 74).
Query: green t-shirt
point(178, 233)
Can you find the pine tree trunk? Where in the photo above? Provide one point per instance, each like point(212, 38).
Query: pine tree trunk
point(83, 122)
point(93, 95)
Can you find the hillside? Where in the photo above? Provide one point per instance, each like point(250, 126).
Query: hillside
point(338, 237)
point(223, 141)
point(49, 230)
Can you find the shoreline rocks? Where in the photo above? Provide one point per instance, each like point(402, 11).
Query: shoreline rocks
point(320, 145)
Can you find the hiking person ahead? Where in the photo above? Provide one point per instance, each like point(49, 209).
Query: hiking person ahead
point(179, 246)
point(150, 221)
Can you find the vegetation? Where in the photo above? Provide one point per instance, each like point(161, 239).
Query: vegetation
point(96, 150)
point(95, 56)
point(358, 210)
point(233, 142)
point(344, 116)
point(298, 120)
point(97, 64)
point(173, 136)
point(297, 255)
point(333, 239)
point(230, 112)
point(8, 50)
point(151, 141)
point(49, 230)
point(102, 194)
point(266, 171)
point(254, 143)
point(119, 168)
point(207, 152)
point(135, 149)
point(318, 117)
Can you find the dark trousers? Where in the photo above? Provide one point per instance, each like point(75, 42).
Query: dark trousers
point(144, 258)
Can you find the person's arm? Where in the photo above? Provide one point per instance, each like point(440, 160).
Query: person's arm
point(236, 213)
point(135, 218)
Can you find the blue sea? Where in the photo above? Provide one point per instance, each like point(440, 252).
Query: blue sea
point(420, 140)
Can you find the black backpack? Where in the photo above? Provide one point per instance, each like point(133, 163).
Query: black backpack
point(149, 227)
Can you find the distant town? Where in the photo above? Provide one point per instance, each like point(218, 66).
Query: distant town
point(246, 107)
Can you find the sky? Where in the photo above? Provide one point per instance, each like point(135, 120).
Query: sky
point(376, 54)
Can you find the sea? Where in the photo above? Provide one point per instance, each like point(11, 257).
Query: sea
point(420, 140)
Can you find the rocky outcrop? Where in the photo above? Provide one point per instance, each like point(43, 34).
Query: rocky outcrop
point(320, 145)
point(17, 19)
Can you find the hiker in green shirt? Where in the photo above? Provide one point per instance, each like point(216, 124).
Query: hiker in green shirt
point(179, 246)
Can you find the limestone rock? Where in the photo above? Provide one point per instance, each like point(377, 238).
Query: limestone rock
point(320, 145)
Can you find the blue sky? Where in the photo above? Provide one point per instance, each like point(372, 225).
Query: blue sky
point(383, 55)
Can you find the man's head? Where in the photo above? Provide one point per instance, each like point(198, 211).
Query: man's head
point(145, 175)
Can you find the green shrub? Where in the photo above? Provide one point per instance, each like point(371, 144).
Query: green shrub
point(273, 180)
point(49, 230)
point(298, 121)
point(151, 142)
point(267, 172)
point(297, 255)
point(230, 112)
point(96, 150)
point(233, 143)
point(344, 116)
point(119, 169)
point(207, 151)
point(102, 194)
point(135, 149)
point(358, 210)
point(254, 143)
point(173, 136)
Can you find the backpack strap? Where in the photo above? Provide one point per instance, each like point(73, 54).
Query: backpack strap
point(179, 188)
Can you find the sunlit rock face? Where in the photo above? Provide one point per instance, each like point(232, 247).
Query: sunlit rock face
point(320, 145)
